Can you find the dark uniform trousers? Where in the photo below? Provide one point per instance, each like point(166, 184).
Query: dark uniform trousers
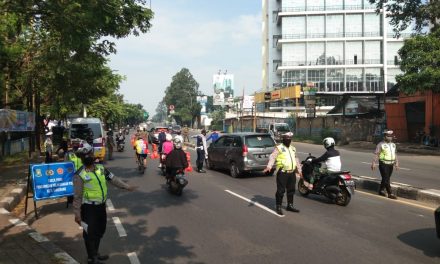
point(285, 182)
point(200, 158)
point(385, 172)
point(95, 216)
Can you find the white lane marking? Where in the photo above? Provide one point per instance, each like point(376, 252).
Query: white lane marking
point(119, 227)
point(7, 199)
point(398, 201)
point(3, 211)
point(254, 203)
point(133, 258)
point(110, 206)
point(306, 153)
point(17, 222)
point(38, 237)
point(369, 163)
point(17, 190)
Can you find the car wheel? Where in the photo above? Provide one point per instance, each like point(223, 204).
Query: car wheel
point(234, 170)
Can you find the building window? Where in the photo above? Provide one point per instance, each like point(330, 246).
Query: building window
point(392, 52)
point(334, 4)
point(353, 25)
point(368, 5)
point(391, 77)
point(373, 79)
point(334, 26)
point(335, 80)
point(317, 77)
point(294, 27)
point(372, 25)
point(355, 80)
point(315, 53)
point(335, 53)
point(353, 4)
point(294, 77)
point(293, 54)
point(373, 49)
point(293, 5)
point(353, 52)
point(316, 5)
point(315, 27)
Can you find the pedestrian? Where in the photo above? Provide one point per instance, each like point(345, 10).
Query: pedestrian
point(90, 195)
point(185, 133)
point(48, 147)
point(214, 136)
point(202, 152)
point(287, 166)
point(386, 154)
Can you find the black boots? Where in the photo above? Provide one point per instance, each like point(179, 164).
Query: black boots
point(279, 210)
point(291, 208)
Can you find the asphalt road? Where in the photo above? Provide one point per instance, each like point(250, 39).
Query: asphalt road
point(212, 223)
point(416, 170)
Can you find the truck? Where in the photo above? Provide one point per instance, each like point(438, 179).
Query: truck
point(275, 129)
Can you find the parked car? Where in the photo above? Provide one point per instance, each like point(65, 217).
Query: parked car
point(153, 135)
point(241, 152)
point(176, 129)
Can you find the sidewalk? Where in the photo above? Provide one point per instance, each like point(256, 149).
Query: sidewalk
point(18, 242)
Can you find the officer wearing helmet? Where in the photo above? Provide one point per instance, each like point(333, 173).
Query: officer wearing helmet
point(287, 166)
point(331, 157)
point(176, 159)
point(90, 195)
point(386, 154)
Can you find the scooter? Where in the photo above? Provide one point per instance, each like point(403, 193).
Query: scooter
point(177, 182)
point(337, 186)
point(120, 146)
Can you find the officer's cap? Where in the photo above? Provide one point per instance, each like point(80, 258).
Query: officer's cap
point(287, 135)
point(388, 132)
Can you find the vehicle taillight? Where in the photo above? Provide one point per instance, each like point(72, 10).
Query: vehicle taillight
point(346, 176)
point(245, 150)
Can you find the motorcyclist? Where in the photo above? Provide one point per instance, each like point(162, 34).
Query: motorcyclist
point(175, 160)
point(179, 136)
point(120, 138)
point(141, 146)
point(167, 146)
point(331, 157)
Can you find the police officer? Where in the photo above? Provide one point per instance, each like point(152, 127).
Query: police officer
point(202, 152)
point(72, 156)
point(90, 195)
point(287, 165)
point(386, 154)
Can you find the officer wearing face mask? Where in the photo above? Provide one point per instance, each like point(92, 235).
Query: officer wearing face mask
point(90, 195)
point(287, 166)
point(386, 154)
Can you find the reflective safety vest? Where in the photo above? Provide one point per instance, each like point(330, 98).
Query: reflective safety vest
point(388, 153)
point(77, 163)
point(286, 158)
point(141, 146)
point(95, 184)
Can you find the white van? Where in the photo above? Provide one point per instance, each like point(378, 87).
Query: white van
point(89, 129)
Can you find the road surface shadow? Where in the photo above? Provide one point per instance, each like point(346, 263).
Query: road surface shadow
point(424, 240)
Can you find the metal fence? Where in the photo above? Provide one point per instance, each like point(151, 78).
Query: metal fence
point(16, 146)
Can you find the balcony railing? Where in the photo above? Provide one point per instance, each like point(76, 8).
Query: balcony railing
point(401, 35)
point(332, 35)
point(326, 8)
point(393, 62)
point(330, 61)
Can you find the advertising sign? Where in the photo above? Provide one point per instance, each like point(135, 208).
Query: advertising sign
point(219, 99)
point(52, 180)
point(224, 83)
point(202, 100)
point(276, 95)
point(248, 102)
point(12, 120)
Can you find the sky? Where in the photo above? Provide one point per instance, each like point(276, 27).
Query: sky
point(204, 36)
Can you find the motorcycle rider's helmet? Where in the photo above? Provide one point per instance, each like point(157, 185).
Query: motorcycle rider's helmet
point(328, 142)
point(177, 143)
point(168, 137)
point(85, 149)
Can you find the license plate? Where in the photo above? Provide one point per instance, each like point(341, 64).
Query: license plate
point(263, 156)
point(349, 183)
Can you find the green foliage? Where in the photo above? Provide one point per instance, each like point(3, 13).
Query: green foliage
point(217, 119)
point(420, 64)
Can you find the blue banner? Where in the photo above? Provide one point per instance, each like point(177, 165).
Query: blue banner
point(53, 180)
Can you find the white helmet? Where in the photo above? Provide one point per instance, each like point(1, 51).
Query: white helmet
point(168, 137)
point(328, 142)
point(177, 143)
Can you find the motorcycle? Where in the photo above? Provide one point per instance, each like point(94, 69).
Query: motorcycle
point(163, 167)
point(177, 182)
point(337, 186)
point(120, 146)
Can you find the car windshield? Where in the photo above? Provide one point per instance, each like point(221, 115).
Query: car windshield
point(83, 131)
point(283, 128)
point(176, 127)
point(259, 141)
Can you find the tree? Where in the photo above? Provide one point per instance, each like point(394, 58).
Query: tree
point(161, 112)
point(421, 13)
point(217, 119)
point(182, 93)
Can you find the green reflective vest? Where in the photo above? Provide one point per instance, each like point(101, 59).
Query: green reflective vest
point(388, 153)
point(95, 184)
point(286, 158)
point(77, 163)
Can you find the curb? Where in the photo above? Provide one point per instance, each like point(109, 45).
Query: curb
point(59, 255)
point(13, 199)
point(401, 190)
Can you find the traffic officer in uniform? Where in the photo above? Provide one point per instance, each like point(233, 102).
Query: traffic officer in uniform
point(202, 152)
point(386, 154)
point(287, 165)
point(73, 157)
point(90, 195)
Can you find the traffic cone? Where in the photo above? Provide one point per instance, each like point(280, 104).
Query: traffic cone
point(188, 158)
point(133, 140)
point(155, 155)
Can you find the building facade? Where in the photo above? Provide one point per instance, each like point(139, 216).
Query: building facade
point(340, 46)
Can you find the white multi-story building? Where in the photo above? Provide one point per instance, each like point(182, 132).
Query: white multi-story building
point(341, 46)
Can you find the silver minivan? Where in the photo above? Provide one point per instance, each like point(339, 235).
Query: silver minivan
point(241, 152)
